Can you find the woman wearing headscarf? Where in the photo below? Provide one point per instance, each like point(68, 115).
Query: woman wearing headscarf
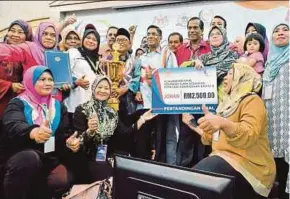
point(19, 31)
point(31, 53)
point(221, 57)
point(276, 96)
point(84, 62)
point(238, 135)
point(17, 55)
point(70, 39)
point(11, 73)
point(33, 140)
point(259, 28)
point(101, 133)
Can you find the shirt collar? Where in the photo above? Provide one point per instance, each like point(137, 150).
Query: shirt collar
point(201, 43)
point(158, 50)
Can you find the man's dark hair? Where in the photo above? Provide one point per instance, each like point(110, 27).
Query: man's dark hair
point(159, 31)
point(201, 24)
point(112, 27)
point(178, 34)
point(255, 36)
point(223, 19)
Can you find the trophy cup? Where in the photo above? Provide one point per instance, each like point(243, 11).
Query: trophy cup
point(115, 70)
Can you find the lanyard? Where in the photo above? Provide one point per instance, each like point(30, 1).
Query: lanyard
point(46, 113)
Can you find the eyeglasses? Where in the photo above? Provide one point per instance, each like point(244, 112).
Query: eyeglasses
point(73, 38)
point(215, 34)
point(121, 40)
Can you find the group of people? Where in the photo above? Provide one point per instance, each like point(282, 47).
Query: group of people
point(52, 138)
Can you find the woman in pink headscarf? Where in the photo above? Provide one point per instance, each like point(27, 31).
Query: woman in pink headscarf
point(32, 53)
point(35, 135)
point(20, 53)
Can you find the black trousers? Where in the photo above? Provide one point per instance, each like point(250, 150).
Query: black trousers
point(27, 175)
point(282, 168)
point(243, 189)
point(84, 170)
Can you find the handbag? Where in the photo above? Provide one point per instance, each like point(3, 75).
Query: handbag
point(96, 190)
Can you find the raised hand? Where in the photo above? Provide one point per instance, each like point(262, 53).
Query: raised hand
point(186, 118)
point(70, 20)
point(93, 124)
point(42, 133)
point(210, 123)
point(148, 115)
point(73, 143)
point(132, 29)
point(65, 87)
point(17, 88)
point(138, 97)
point(198, 64)
point(83, 82)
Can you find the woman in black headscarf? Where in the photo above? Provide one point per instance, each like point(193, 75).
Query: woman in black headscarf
point(84, 63)
point(259, 28)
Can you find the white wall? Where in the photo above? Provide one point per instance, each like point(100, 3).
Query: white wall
point(26, 10)
point(170, 15)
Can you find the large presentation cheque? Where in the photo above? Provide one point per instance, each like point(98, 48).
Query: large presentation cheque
point(184, 90)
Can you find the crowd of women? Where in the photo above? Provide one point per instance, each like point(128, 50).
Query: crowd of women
point(52, 138)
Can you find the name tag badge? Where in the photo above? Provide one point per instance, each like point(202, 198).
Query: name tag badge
point(101, 154)
point(49, 145)
point(268, 91)
point(216, 136)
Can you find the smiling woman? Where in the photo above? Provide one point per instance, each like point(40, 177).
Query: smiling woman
point(70, 39)
point(276, 96)
point(19, 31)
point(31, 53)
point(34, 137)
point(19, 54)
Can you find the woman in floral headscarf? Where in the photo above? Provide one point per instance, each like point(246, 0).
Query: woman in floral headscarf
point(220, 56)
point(238, 135)
point(276, 96)
point(101, 132)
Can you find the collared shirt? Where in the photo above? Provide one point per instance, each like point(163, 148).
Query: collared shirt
point(186, 53)
point(157, 59)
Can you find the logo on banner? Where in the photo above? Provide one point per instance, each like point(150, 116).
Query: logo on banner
point(206, 15)
point(160, 21)
point(182, 20)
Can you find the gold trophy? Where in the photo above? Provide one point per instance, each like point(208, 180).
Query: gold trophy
point(115, 70)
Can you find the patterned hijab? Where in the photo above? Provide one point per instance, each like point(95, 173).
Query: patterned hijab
point(277, 58)
point(108, 118)
point(245, 82)
point(221, 57)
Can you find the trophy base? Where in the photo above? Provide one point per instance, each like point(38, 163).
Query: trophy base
point(114, 104)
